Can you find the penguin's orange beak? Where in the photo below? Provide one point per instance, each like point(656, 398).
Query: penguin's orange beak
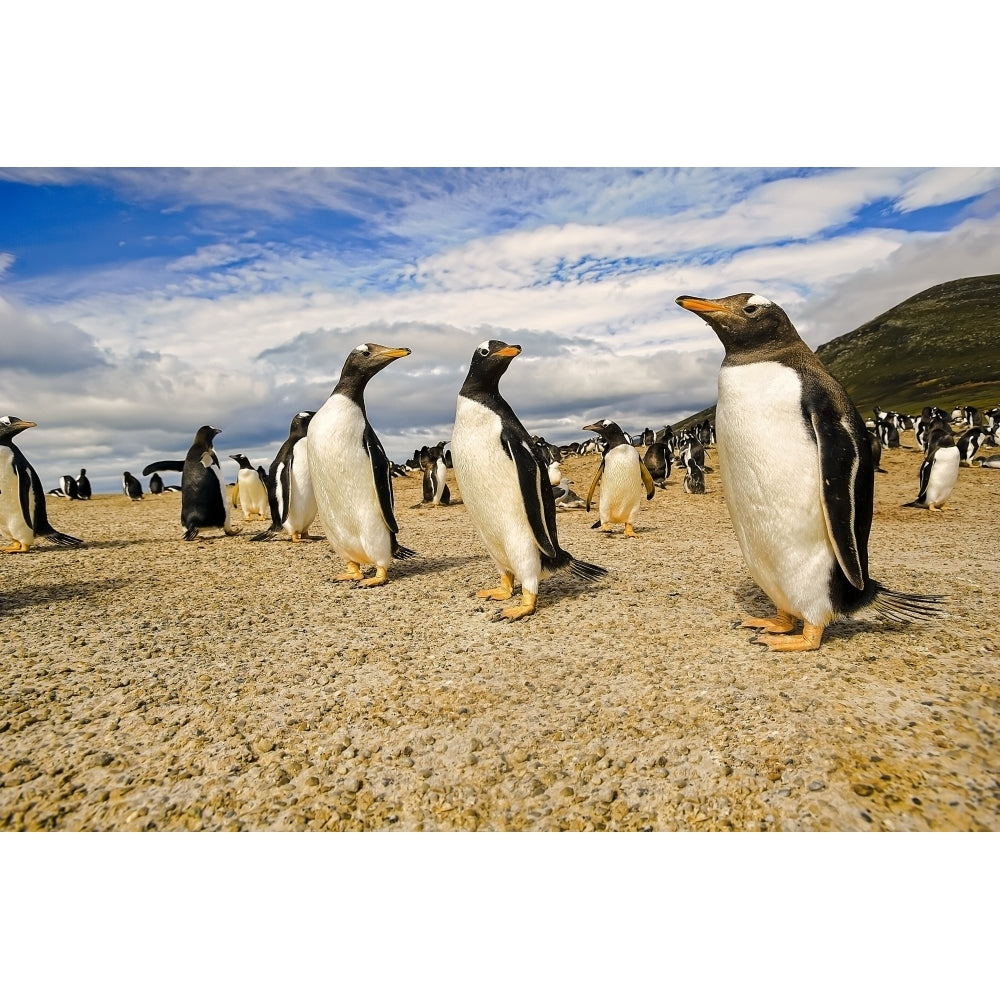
point(694, 304)
point(510, 351)
point(396, 352)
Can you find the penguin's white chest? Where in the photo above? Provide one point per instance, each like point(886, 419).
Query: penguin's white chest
point(300, 504)
point(943, 476)
point(769, 466)
point(12, 520)
point(621, 486)
point(343, 484)
point(487, 480)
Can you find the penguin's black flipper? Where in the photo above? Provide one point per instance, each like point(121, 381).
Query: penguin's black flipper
point(925, 479)
point(166, 465)
point(846, 495)
point(382, 477)
point(535, 491)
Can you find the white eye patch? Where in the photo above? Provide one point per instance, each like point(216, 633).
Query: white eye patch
point(759, 300)
point(362, 347)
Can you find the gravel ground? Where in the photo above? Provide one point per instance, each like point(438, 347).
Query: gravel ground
point(152, 684)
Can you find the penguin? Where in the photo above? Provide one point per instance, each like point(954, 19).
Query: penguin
point(970, 443)
point(993, 462)
point(203, 488)
point(876, 443)
point(939, 469)
point(503, 479)
point(625, 479)
point(434, 489)
point(350, 471)
point(252, 489)
point(83, 489)
point(694, 477)
point(797, 475)
point(131, 486)
point(658, 462)
point(289, 487)
point(155, 484)
point(68, 485)
point(555, 472)
point(23, 516)
point(564, 497)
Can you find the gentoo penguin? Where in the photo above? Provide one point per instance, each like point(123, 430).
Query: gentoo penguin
point(503, 479)
point(797, 475)
point(131, 486)
point(623, 477)
point(83, 490)
point(203, 488)
point(253, 489)
point(694, 476)
point(23, 516)
point(350, 471)
point(289, 487)
point(564, 497)
point(657, 460)
point(939, 469)
point(970, 442)
point(155, 483)
point(69, 487)
point(876, 443)
point(993, 462)
point(434, 489)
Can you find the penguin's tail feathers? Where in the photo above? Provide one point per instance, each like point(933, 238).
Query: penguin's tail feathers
point(191, 534)
point(67, 541)
point(907, 608)
point(597, 523)
point(267, 534)
point(402, 552)
point(585, 570)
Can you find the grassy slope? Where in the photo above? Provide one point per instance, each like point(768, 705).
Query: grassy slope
point(941, 347)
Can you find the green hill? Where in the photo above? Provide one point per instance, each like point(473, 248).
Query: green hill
point(939, 348)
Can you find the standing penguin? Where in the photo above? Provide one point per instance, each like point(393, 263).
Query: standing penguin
point(503, 479)
point(23, 516)
point(658, 463)
point(203, 488)
point(351, 474)
point(939, 469)
point(289, 487)
point(434, 488)
point(131, 486)
point(155, 484)
point(83, 490)
point(625, 479)
point(252, 489)
point(797, 475)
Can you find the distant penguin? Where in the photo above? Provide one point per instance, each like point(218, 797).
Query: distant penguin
point(290, 495)
point(351, 474)
point(434, 489)
point(939, 469)
point(694, 475)
point(203, 488)
point(876, 444)
point(155, 484)
point(131, 486)
point(253, 489)
point(503, 479)
point(623, 477)
point(797, 475)
point(83, 489)
point(970, 443)
point(657, 460)
point(23, 516)
point(69, 486)
point(564, 497)
point(555, 473)
point(993, 462)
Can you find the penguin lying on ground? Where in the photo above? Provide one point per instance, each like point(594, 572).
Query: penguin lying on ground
point(351, 474)
point(289, 486)
point(503, 479)
point(252, 486)
point(203, 488)
point(939, 469)
point(69, 487)
point(623, 477)
point(23, 516)
point(797, 475)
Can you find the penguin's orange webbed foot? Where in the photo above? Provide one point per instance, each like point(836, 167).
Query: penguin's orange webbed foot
point(526, 607)
point(353, 573)
point(502, 592)
point(810, 638)
point(380, 577)
point(630, 531)
point(780, 623)
point(15, 547)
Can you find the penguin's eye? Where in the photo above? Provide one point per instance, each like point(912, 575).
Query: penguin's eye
point(483, 352)
point(750, 310)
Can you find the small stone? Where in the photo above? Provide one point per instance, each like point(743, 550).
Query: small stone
point(816, 786)
point(862, 790)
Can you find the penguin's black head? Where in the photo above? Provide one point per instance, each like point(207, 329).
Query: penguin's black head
point(489, 361)
point(9, 426)
point(362, 363)
point(609, 432)
point(300, 423)
point(205, 434)
point(744, 323)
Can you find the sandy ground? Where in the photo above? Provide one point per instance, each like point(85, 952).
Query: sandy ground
point(152, 684)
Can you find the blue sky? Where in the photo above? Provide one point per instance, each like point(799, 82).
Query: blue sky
point(137, 304)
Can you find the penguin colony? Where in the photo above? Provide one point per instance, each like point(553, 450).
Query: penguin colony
point(802, 512)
